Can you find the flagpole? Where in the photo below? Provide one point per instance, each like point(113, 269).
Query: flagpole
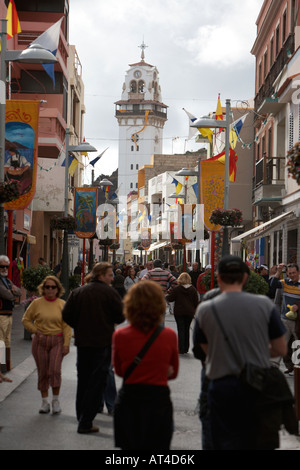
point(225, 244)
point(65, 254)
point(2, 123)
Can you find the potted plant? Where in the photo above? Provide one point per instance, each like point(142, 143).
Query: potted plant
point(228, 218)
point(114, 246)
point(33, 276)
point(63, 223)
point(9, 191)
point(293, 163)
point(207, 281)
point(256, 284)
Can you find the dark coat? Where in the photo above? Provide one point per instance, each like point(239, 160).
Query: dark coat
point(194, 277)
point(185, 298)
point(92, 311)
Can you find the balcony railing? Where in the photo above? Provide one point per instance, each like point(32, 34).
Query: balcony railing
point(267, 88)
point(139, 112)
point(270, 170)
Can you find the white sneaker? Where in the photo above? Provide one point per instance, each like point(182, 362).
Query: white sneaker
point(45, 408)
point(56, 409)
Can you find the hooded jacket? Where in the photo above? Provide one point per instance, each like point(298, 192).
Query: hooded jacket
point(185, 298)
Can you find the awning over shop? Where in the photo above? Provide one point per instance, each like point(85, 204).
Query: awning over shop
point(157, 245)
point(31, 239)
point(263, 229)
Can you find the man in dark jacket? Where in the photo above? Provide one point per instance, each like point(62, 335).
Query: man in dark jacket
point(195, 273)
point(8, 294)
point(92, 311)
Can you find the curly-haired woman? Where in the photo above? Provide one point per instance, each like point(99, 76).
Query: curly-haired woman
point(51, 339)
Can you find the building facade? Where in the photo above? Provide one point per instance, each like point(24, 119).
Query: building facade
point(275, 237)
point(62, 107)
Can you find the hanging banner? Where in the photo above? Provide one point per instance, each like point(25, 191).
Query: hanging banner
point(21, 149)
point(212, 181)
point(85, 205)
point(146, 238)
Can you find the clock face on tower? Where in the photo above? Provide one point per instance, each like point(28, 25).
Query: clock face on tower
point(137, 74)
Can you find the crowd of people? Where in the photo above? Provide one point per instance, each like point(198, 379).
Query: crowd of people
point(119, 314)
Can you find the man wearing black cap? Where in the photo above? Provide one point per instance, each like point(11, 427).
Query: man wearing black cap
point(255, 332)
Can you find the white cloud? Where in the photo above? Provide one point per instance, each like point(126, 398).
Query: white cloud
point(200, 49)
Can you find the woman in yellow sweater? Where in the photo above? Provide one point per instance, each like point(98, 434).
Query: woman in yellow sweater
point(51, 341)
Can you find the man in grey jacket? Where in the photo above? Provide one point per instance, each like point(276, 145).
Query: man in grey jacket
point(255, 332)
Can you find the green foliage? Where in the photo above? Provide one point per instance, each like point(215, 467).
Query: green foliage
point(207, 281)
point(256, 284)
point(33, 276)
point(74, 281)
point(293, 162)
point(230, 217)
point(9, 191)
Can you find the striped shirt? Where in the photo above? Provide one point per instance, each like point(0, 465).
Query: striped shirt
point(162, 277)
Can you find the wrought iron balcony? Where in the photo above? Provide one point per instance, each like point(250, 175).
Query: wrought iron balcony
point(269, 181)
point(267, 88)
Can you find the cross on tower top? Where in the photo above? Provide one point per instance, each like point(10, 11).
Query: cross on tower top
point(143, 47)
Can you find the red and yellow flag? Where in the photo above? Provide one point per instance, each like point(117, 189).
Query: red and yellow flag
point(219, 112)
point(232, 162)
point(13, 23)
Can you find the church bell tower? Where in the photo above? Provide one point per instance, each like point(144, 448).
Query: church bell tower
point(141, 116)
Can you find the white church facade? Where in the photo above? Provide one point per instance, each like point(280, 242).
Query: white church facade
point(141, 116)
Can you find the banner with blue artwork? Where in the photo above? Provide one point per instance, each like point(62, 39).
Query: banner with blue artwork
point(85, 205)
point(21, 149)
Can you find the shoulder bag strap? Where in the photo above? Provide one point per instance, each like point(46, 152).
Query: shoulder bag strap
point(224, 332)
point(142, 352)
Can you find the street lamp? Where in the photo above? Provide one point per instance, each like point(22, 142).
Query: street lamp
point(35, 54)
point(105, 182)
point(190, 172)
point(83, 147)
point(206, 122)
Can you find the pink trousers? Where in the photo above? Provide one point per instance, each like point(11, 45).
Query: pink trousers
point(47, 351)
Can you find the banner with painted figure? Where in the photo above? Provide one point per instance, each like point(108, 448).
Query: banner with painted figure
point(85, 205)
point(212, 180)
point(21, 149)
point(146, 238)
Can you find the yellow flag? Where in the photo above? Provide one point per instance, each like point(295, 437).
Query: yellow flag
point(73, 166)
point(206, 133)
point(178, 188)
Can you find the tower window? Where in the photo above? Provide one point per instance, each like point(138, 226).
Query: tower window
point(131, 166)
point(133, 86)
point(141, 86)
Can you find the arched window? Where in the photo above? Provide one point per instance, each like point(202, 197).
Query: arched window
point(141, 86)
point(133, 86)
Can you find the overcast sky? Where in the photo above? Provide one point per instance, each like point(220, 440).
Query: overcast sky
point(201, 48)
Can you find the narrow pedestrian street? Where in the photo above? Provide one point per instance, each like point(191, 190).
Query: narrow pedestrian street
point(23, 428)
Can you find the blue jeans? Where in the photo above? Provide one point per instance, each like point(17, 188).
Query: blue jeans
point(110, 392)
point(92, 370)
point(231, 409)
